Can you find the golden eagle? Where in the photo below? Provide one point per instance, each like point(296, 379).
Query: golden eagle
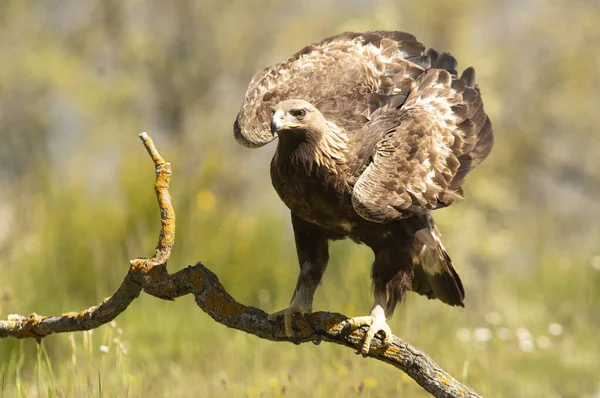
point(374, 133)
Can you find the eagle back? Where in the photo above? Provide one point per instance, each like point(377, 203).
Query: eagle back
point(346, 77)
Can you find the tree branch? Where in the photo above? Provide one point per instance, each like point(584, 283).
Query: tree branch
point(150, 275)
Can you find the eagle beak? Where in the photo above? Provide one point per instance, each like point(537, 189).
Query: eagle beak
point(277, 122)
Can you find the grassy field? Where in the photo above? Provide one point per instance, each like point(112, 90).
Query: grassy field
point(528, 333)
point(79, 81)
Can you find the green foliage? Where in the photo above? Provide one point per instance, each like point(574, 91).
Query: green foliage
point(79, 80)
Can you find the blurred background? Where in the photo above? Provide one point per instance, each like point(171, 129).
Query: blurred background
point(80, 79)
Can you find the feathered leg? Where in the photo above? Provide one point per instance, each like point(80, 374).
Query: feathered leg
point(313, 254)
point(392, 277)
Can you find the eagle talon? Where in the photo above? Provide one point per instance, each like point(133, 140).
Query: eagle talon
point(307, 316)
point(386, 344)
point(311, 323)
point(290, 321)
point(376, 323)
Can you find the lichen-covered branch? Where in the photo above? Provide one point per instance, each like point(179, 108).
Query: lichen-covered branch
point(150, 275)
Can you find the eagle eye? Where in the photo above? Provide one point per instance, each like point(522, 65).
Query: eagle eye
point(298, 113)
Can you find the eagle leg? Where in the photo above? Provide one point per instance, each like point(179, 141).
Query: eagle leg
point(377, 323)
point(313, 254)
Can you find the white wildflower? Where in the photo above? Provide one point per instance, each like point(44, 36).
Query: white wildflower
point(543, 342)
point(555, 329)
point(104, 348)
point(523, 334)
point(483, 334)
point(526, 345)
point(525, 340)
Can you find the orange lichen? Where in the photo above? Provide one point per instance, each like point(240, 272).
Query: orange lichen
point(228, 308)
point(443, 379)
point(71, 314)
point(35, 319)
point(332, 325)
point(149, 144)
point(393, 352)
point(25, 327)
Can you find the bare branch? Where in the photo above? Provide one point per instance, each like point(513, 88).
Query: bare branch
point(151, 276)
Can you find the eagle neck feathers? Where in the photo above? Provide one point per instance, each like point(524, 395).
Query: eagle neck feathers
point(315, 150)
point(332, 148)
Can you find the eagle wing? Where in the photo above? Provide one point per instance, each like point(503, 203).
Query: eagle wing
point(347, 77)
point(429, 145)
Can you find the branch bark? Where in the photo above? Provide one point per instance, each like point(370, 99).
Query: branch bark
point(151, 276)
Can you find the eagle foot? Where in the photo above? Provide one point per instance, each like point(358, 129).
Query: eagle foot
point(376, 324)
point(288, 321)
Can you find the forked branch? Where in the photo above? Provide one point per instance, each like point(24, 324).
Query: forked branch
point(150, 275)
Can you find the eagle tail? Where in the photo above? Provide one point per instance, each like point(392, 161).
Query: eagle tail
point(435, 275)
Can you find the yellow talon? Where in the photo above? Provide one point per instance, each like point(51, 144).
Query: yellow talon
point(376, 322)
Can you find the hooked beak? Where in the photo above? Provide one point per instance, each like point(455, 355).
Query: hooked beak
point(278, 123)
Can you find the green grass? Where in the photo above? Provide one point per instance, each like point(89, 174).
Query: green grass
point(80, 253)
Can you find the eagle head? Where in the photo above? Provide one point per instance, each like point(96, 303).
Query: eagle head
point(297, 117)
point(300, 125)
